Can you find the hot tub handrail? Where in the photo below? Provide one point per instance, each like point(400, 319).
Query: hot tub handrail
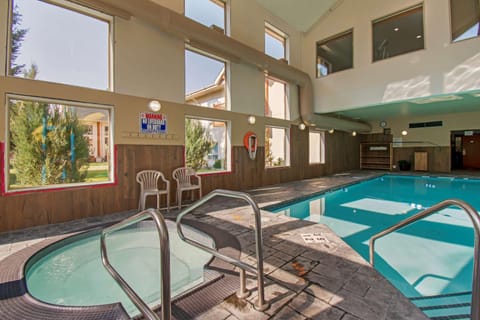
point(164, 264)
point(474, 217)
point(261, 304)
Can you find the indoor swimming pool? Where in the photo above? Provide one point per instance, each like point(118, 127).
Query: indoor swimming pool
point(70, 273)
point(430, 258)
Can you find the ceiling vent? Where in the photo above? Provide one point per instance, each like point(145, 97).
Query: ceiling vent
point(436, 99)
point(425, 124)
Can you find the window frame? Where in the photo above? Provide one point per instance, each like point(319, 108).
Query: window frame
point(80, 9)
point(287, 147)
point(280, 35)
point(226, 74)
point(226, 15)
point(286, 88)
point(321, 147)
point(325, 41)
point(390, 16)
point(228, 144)
point(111, 154)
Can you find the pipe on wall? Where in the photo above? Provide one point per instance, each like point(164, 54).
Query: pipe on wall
point(207, 39)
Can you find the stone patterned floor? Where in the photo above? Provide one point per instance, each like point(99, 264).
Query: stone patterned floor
point(325, 280)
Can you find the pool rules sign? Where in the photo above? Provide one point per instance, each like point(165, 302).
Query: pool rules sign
point(155, 123)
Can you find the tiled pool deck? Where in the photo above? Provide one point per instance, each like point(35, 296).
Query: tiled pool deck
point(325, 280)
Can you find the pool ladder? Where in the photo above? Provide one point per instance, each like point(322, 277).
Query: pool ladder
point(260, 304)
point(474, 217)
point(147, 312)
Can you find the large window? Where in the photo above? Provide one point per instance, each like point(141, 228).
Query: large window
point(207, 145)
point(277, 147)
point(276, 99)
point(316, 147)
point(398, 34)
point(335, 54)
point(57, 144)
point(275, 42)
point(205, 80)
point(465, 18)
point(211, 13)
point(59, 41)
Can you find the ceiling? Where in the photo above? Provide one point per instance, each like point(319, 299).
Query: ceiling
point(419, 107)
point(301, 14)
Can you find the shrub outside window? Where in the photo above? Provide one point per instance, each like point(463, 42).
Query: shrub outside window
point(61, 42)
point(211, 13)
point(316, 148)
point(277, 147)
point(465, 19)
point(335, 54)
point(398, 34)
point(207, 145)
point(57, 144)
point(205, 80)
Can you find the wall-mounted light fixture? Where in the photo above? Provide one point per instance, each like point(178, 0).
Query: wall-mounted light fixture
point(302, 126)
point(331, 131)
point(251, 119)
point(354, 133)
point(404, 132)
point(154, 105)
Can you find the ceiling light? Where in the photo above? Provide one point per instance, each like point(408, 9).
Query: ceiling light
point(396, 29)
point(354, 133)
point(331, 130)
point(251, 119)
point(302, 126)
point(404, 132)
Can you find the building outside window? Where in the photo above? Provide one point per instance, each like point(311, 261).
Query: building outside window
point(211, 13)
point(207, 145)
point(316, 148)
point(465, 19)
point(335, 54)
point(398, 33)
point(205, 80)
point(56, 144)
point(59, 41)
point(277, 147)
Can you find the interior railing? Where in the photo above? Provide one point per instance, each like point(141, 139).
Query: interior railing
point(474, 217)
point(147, 312)
point(243, 292)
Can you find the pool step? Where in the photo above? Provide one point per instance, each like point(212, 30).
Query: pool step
point(450, 306)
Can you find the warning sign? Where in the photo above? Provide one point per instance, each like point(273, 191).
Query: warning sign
point(153, 123)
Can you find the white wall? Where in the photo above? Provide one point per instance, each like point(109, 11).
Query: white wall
point(442, 67)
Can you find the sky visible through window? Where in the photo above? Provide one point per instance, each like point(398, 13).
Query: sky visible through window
point(274, 47)
point(67, 46)
point(470, 33)
point(200, 71)
point(206, 12)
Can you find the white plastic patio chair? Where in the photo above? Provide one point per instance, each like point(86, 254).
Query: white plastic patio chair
point(187, 180)
point(148, 180)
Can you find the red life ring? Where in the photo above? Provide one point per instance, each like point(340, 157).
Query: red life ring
point(246, 137)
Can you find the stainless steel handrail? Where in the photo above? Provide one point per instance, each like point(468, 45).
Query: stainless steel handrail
point(164, 264)
point(474, 217)
point(261, 304)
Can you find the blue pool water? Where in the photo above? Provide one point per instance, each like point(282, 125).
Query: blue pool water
point(433, 256)
point(72, 274)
